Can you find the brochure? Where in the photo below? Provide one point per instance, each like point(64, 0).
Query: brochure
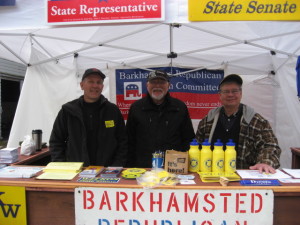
point(111, 172)
point(91, 171)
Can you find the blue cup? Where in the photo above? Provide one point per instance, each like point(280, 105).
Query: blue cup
point(157, 163)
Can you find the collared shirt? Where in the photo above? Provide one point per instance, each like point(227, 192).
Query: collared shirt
point(228, 121)
point(228, 127)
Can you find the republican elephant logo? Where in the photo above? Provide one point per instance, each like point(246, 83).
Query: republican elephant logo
point(132, 90)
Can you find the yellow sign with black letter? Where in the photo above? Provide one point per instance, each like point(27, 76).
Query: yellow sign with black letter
point(13, 205)
point(221, 10)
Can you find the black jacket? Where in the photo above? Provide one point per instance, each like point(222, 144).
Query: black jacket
point(151, 127)
point(68, 137)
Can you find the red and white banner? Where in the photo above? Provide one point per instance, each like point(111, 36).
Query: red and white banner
point(104, 11)
point(122, 206)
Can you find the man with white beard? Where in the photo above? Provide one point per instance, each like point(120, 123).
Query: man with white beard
point(157, 122)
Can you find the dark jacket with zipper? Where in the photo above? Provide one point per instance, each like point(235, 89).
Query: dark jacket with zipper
point(152, 127)
point(68, 140)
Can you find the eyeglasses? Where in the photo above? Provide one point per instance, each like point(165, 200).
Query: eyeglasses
point(227, 92)
point(158, 81)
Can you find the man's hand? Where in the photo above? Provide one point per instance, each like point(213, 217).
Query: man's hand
point(263, 168)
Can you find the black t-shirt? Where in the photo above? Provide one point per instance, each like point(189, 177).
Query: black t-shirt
point(91, 120)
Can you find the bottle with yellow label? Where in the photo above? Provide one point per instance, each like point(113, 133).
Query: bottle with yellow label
point(218, 157)
point(205, 157)
point(230, 157)
point(194, 156)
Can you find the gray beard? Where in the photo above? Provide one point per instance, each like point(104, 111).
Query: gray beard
point(157, 97)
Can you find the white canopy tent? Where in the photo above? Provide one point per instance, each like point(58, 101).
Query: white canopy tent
point(264, 53)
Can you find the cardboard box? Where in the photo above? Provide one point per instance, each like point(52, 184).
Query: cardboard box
point(176, 162)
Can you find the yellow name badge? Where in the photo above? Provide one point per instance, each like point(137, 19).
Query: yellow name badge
point(109, 123)
point(221, 10)
point(13, 205)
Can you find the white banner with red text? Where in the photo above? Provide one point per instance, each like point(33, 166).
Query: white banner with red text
point(123, 206)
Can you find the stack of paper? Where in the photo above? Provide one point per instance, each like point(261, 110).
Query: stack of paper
point(8, 155)
point(19, 171)
point(255, 174)
point(295, 173)
point(61, 170)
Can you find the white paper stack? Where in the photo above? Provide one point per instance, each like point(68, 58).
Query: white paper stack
point(8, 155)
point(19, 171)
point(255, 174)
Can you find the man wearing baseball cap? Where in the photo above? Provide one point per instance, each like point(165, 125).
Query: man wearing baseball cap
point(157, 122)
point(256, 145)
point(89, 129)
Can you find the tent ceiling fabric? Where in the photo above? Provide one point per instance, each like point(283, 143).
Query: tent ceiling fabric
point(209, 44)
point(264, 49)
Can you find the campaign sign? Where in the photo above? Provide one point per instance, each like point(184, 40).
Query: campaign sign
point(124, 206)
point(12, 205)
point(207, 10)
point(103, 11)
point(197, 89)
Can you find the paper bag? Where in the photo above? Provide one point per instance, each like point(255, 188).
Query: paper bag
point(176, 162)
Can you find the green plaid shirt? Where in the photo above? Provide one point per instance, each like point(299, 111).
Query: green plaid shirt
point(257, 142)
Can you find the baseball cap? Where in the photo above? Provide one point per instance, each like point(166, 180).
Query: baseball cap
point(93, 71)
point(158, 74)
point(231, 78)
